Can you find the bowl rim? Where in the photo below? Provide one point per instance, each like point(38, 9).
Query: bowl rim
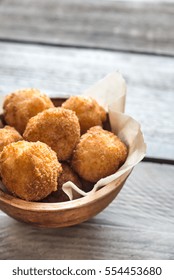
point(21, 204)
point(61, 206)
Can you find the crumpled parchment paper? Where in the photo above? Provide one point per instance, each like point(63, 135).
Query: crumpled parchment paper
point(110, 92)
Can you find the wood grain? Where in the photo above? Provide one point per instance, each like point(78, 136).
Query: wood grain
point(119, 25)
point(63, 71)
point(139, 224)
point(53, 215)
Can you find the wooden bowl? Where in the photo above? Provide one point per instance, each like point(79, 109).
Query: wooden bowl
point(62, 214)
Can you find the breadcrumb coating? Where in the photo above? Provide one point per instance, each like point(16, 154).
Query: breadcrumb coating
point(21, 105)
point(98, 154)
point(67, 175)
point(88, 111)
point(8, 135)
point(29, 170)
point(58, 128)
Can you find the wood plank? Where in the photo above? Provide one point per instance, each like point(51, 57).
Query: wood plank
point(146, 200)
point(85, 242)
point(143, 26)
point(58, 71)
point(138, 224)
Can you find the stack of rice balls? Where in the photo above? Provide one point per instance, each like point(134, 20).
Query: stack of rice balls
point(43, 146)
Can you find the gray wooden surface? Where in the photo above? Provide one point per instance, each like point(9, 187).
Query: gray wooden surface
point(58, 47)
point(139, 224)
point(145, 26)
point(56, 71)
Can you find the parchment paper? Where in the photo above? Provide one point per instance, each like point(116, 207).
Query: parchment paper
point(110, 92)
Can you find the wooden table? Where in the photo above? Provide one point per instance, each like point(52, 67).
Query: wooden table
point(64, 47)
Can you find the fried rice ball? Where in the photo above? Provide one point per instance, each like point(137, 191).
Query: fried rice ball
point(98, 154)
point(8, 135)
point(29, 170)
point(21, 105)
point(58, 128)
point(67, 175)
point(88, 111)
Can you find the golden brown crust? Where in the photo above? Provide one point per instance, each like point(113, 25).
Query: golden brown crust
point(67, 175)
point(57, 127)
point(87, 110)
point(8, 135)
point(21, 105)
point(98, 154)
point(29, 170)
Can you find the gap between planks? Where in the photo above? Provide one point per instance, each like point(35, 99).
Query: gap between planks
point(138, 224)
point(58, 71)
point(123, 25)
point(55, 45)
